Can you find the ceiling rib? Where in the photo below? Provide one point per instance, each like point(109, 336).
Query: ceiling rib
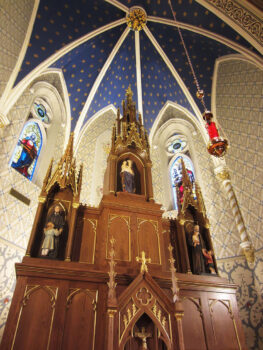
point(119, 5)
point(18, 90)
point(138, 73)
point(246, 52)
point(174, 73)
point(98, 81)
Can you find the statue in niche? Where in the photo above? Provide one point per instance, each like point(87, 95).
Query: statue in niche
point(52, 231)
point(127, 176)
point(208, 254)
point(196, 249)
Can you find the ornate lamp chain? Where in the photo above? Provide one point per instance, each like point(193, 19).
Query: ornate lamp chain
point(200, 93)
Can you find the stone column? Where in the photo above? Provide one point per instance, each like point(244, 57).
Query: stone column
point(223, 175)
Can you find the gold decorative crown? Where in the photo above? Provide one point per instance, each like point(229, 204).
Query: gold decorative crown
point(136, 19)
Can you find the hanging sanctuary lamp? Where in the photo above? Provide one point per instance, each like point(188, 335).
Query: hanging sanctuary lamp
point(217, 145)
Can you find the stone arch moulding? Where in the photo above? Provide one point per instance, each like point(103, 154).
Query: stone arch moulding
point(169, 105)
point(89, 123)
point(248, 15)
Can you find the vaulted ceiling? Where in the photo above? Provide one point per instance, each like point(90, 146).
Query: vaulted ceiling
point(99, 55)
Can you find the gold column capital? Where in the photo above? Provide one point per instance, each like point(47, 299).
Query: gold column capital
point(223, 175)
point(75, 205)
point(42, 199)
point(111, 312)
point(249, 252)
point(179, 315)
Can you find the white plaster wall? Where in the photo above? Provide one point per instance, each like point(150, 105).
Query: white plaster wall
point(92, 152)
point(15, 16)
point(239, 110)
point(17, 218)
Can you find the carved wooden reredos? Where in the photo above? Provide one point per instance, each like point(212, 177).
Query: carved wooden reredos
point(129, 142)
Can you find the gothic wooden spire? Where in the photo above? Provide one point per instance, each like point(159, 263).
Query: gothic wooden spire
point(130, 132)
point(65, 174)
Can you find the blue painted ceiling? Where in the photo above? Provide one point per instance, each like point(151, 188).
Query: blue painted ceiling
point(59, 23)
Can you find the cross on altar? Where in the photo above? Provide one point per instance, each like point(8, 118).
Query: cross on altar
point(143, 260)
point(143, 336)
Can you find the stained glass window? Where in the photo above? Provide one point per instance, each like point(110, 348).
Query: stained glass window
point(41, 113)
point(27, 150)
point(176, 174)
point(176, 145)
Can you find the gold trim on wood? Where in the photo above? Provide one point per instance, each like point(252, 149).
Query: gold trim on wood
point(27, 294)
point(141, 221)
point(198, 303)
point(227, 304)
point(127, 315)
point(93, 295)
point(42, 199)
point(94, 223)
point(140, 299)
point(126, 219)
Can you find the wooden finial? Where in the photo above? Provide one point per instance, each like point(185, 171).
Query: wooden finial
point(143, 260)
point(112, 299)
point(175, 288)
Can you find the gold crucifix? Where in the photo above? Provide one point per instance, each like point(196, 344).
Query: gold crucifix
point(143, 260)
point(143, 336)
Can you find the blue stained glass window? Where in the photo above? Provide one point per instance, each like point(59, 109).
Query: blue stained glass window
point(176, 174)
point(27, 150)
point(41, 113)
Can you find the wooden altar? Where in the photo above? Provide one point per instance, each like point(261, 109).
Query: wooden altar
point(101, 291)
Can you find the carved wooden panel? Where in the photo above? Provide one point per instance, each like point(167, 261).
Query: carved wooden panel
point(88, 242)
point(143, 304)
point(119, 229)
point(80, 321)
point(36, 313)
point(148, 239)
point(224, 324)
point(193, 327)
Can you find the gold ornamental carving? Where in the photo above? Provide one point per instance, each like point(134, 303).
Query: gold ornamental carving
point(243, 17)
point(126, 219)
point(144, 261)
point(42, 199)
point(65, 174)
point(92, 294)
point(227, 304)
point(141, 221)
point(126, 316)
point(136, 18)
point(144, 296)
point(129, 131)
point(30, 289)
point(223, 175)
point(250, 256)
